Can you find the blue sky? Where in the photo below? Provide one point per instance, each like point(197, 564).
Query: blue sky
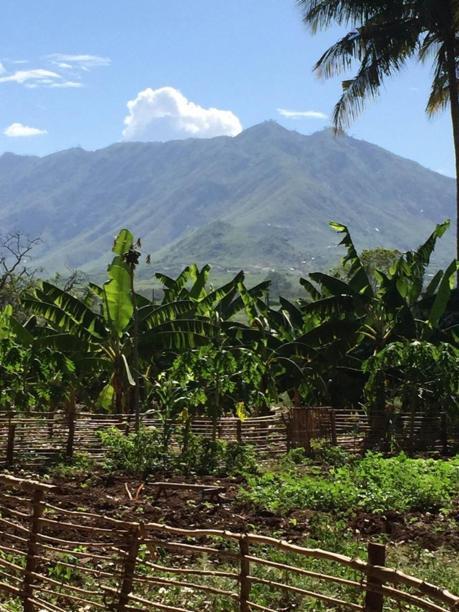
point(69, 69)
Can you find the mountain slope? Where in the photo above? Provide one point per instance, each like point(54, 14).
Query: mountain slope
point(259, 200)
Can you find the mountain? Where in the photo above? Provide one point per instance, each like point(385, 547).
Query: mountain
point(260, 200)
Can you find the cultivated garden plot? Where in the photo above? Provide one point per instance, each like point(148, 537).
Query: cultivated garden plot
point(103, 539)
point(213, 452)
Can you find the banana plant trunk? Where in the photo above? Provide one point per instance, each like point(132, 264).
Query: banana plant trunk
point(135, 359)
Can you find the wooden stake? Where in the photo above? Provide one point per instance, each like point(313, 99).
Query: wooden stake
point(333, 426)
point(129, 569)
point(239, 431)
point(444, 433)
point(31, 563)
point(374, 598)
point(244, 576)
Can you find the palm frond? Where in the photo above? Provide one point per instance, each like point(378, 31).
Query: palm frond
point(439, 94)
point(381, 47)
point(320, 14)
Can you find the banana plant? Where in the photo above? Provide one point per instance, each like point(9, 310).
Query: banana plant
point(127, 330)
point(226, 301)
point(396, 305)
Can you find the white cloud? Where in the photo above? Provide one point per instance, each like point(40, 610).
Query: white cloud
point(82, 61)
point(165, 114)
point(35, 77)
point(67, 84)
point(19, 130)
point(291, 114)
point(61, 71)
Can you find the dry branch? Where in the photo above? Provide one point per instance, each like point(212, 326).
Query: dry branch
point(76, 553)
point(45, 605)
point(191, 548)
point(182, 570)
point(62, 595)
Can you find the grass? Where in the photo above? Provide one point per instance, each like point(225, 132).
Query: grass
point(439, 567)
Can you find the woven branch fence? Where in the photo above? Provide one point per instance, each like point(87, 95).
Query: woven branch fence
point(61, 560)
point(38, 437)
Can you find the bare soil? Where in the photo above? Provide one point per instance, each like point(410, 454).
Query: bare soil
point(108, 495)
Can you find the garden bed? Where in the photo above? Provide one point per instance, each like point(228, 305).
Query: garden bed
point(108, 495)
point(423, 544)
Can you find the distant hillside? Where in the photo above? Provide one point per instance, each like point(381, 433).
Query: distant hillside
point(259, 201)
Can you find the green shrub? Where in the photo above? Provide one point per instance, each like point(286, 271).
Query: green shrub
point(321, 451)
point(295, 456)
point(201, 456)
point(78, 466)
point(329, 454)
point(138, 453)
point(374, 484)
point(240, 459)
point(142, 453)
point(221, 458)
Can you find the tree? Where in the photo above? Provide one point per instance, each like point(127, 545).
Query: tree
point(15, 273)
point(385, 35)
point(367, 314)
point(379, 259)
point(373, 260)
point(415, 377)
point(124, 330)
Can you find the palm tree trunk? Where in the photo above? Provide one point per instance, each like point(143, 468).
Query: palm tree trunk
point(454, 104)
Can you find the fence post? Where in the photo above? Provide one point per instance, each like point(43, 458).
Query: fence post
point(333, 426)
point(374, 598)
point(10, 442)
point(71, 417)
point(31, 562)
point(287, 420)
point(239, 431)
point(129, 568)
point(244, 593)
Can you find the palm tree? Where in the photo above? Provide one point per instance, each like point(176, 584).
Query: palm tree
point(385, 35)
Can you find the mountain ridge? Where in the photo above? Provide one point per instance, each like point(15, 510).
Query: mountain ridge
point(260, 200)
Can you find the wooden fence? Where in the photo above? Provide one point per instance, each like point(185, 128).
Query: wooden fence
point(61, 560)
point(37, 438)
point(433, 433)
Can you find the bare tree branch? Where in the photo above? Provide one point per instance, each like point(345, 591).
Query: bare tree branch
point(15, 249)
